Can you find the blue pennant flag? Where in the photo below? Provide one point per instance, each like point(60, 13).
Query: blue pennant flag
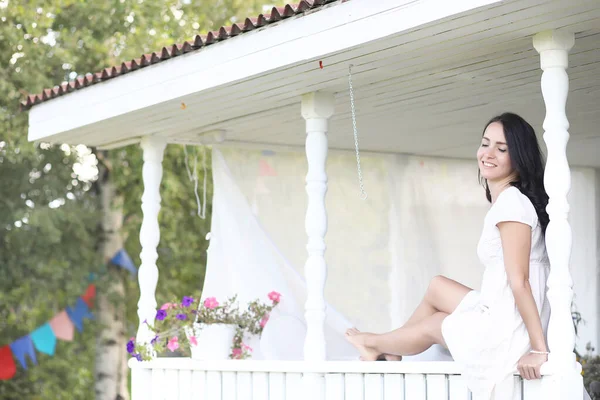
point(23, 347)
point(78, 313)
point(44, 339)
point(122, 259)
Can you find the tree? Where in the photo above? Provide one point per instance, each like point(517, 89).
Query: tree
point(53, 220)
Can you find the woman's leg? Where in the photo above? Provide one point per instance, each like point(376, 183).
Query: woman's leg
point(442, 296)
point(408, 340)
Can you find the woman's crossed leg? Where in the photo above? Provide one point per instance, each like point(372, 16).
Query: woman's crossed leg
point(423, 328)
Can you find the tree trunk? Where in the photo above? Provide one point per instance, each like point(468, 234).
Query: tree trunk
point(111, 372)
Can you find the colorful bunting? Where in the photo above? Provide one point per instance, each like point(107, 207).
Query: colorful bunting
point(44, 340)
point(78, 313)
point(8, 369)
point(62, 326)
point(23, 347)
point(122, 259)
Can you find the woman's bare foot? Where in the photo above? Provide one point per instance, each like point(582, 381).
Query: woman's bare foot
point(392, 357)
point(357, 339)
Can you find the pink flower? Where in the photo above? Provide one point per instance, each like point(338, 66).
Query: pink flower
point(236, 352)
point(167, 306)
point(264, 320)
point(275, 297)
point(173, 343)
point(211, 303)
point(246, 347)
point(193, 340)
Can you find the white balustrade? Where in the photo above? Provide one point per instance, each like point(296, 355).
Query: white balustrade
point(153, 148)
point(564, 380)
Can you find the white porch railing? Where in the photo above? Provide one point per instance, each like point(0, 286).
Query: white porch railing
point(187, 379)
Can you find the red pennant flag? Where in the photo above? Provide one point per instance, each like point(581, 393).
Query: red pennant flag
point(8, 369)
point(264, 169)
point(89, 295)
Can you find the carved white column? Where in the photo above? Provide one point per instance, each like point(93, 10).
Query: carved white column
point(554, 47)
point(317, 107)
point(152, 171)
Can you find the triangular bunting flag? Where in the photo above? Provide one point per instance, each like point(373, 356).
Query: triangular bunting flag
point(78, 313)
point(23, 347)
point(62, 326)
point(265, 169)
point(122, 259)
point(8, 369)
point(89, 295)
point(44, 340)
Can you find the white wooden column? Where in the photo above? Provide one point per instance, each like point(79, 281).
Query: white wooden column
point(317, 107)
point(152, 171)
point(565, 381)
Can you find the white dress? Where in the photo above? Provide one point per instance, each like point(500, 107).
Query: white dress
point(486, 334)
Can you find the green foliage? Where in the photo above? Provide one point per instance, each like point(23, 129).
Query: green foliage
point(49, 214)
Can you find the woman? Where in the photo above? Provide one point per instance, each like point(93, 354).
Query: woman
point(503, 326)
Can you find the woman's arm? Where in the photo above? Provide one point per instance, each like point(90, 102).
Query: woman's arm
point(516, 245)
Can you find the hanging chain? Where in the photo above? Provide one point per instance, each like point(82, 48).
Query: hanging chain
point(363, 194)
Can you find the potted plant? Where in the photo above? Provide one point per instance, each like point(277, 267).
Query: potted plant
point(208, 330)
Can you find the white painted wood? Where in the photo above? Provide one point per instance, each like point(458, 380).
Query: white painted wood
point(374, 387)
point(276, 385)
point(354, 386)
point(393, 387)
point(171, 388)
point(509, 389)
point(334, 387)
point(415, 387)
point(299, 367)
point(554, 47)
point(214, 385)
point(316, 109)
point(229, 384)
point(458, 389)
point(158, 384)
point(293, 386)
point(327, 31)
point(185, 385)
point(437, 387)
point(533, 390)
point(141, 383)
point(153, 148)
point(260, 385)
point(199, 385)
point(244, 386)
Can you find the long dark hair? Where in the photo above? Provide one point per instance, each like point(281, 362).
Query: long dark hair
point(526, 158)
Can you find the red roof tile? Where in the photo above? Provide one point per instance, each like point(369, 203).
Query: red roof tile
point(199, 41)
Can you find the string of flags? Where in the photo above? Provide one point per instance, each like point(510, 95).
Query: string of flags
point(60, 327)
point(43, 339)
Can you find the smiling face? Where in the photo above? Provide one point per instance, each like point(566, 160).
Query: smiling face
point(492, 156)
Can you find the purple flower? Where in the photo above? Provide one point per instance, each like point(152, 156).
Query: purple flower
point(138, 357)
point(187, 301)
point(181, 317)
point(153, 341)
point(161, 315)
point(130, 347)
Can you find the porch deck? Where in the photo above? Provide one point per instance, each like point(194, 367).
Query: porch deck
point(187, 379)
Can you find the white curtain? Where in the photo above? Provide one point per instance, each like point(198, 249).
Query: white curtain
point(423, 217)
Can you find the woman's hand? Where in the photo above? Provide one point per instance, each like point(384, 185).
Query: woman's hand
point(529, 365)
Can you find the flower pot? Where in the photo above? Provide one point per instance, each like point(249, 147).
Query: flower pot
point(214, 341)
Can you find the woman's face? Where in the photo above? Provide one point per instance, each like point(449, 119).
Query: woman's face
point(492, 155)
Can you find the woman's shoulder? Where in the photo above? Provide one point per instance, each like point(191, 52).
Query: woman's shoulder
point(513, 205)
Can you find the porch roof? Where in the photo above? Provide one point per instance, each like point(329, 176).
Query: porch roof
point(427, 74)
point(198, 42)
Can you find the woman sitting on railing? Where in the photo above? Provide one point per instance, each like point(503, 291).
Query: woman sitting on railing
point(503, 326)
